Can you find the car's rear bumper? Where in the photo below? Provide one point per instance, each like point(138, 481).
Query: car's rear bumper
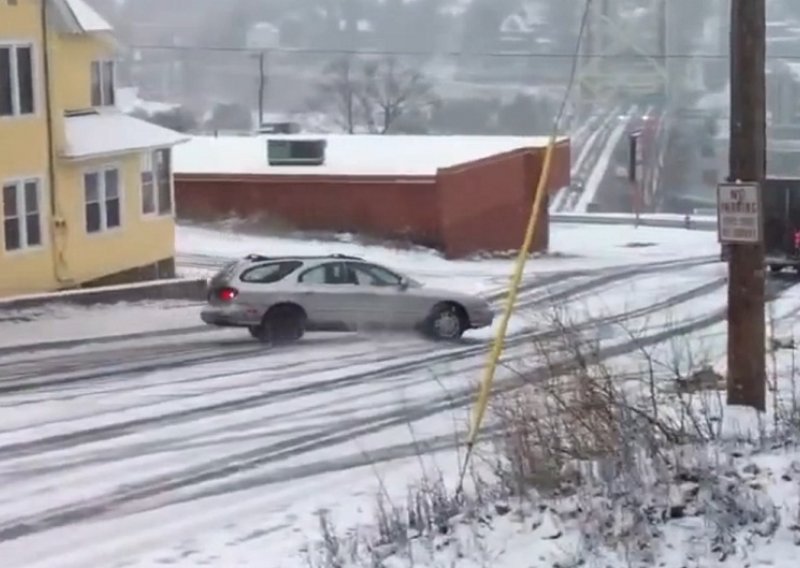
point(782, 260)
point(221, 317)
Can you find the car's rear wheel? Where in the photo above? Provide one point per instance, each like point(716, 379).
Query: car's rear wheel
point(447, 322)
point(280, 325)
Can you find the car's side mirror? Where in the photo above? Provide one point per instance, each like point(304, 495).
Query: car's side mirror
point(404, 284)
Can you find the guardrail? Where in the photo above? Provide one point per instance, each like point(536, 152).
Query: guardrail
point(689, 222)
point(191, 289)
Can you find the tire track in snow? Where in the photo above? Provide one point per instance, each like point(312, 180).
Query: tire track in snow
point(232, 466)
point(100, 340)
point(283, 394)
point(208, 353)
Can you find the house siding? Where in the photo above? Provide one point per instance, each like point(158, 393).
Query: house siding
point(69, 257)
point(23, 154)
point(138, 242)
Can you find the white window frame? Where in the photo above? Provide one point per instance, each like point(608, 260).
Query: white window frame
point(101, 63)
point(13, 45)
point(22, 213)
point(100, 171)
point(148, 165)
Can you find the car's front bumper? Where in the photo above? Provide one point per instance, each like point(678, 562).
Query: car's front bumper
point(481, 318)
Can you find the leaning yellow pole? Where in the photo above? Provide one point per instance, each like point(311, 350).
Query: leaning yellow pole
point(516, 278)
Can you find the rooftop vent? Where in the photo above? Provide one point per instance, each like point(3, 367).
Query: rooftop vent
point(296, 152)
point(279, 127)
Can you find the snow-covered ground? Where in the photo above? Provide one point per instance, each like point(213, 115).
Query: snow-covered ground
point(156, 442)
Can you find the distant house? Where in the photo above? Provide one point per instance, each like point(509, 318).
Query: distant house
point(521, 32)
point(263, 35)
point(87, 194)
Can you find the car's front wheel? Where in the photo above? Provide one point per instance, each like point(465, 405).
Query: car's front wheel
point(447, 322)
point(280, 325)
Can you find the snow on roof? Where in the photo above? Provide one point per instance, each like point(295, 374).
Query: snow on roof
point(346, 154)
point(95, 135)
point(83, 17)
point(128, 101)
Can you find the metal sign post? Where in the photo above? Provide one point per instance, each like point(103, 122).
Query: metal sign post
point(635, 167)
point(739, 213)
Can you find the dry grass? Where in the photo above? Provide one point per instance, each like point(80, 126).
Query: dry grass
point(617, 454)
point(632, 452)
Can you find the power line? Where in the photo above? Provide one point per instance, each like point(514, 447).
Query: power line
point(446, 54)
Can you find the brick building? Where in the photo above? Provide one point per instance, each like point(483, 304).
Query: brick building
point(460, 194)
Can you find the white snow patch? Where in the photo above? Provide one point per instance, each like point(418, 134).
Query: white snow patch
point(63, 322)
point(128, 101)
point(245, 405)
point(354, 154)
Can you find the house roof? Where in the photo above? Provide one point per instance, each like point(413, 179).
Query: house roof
point(76, 16)
point(352, 155)
point(109, 134)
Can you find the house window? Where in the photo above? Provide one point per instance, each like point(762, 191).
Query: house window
point(16, 80)
point(157, 183)
point(22, 218)
point(102, 198)
point(103, 86)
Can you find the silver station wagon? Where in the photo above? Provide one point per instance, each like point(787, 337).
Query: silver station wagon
point(278, 299)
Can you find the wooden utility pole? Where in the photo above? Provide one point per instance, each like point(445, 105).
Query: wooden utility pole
point(262, 86)
point(747, 157)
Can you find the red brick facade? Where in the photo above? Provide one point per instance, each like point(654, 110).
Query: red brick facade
point(474, 207)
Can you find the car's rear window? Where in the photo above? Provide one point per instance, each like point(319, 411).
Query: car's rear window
point(225, 273)
point(269, 273)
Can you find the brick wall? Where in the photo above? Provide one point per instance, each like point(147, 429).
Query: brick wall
point(390, 208)
point(486, 204)
point(474, 207)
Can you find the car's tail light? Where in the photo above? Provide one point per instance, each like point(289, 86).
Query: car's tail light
point(227, 294)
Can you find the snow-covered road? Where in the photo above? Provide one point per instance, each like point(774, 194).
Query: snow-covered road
point(115, 446)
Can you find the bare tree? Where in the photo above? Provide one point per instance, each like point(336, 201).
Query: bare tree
point(391, 91)
point(372, 95)
point(339, 93)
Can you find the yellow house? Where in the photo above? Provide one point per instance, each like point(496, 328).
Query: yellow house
point(87, 192)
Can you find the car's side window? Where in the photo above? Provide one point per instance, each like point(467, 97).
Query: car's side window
point(331, 273)
point(371, 275)
point(270, 273)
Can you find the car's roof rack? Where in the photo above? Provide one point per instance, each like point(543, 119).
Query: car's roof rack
point(255, 257)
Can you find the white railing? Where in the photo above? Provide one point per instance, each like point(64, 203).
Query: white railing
point(667, 220)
